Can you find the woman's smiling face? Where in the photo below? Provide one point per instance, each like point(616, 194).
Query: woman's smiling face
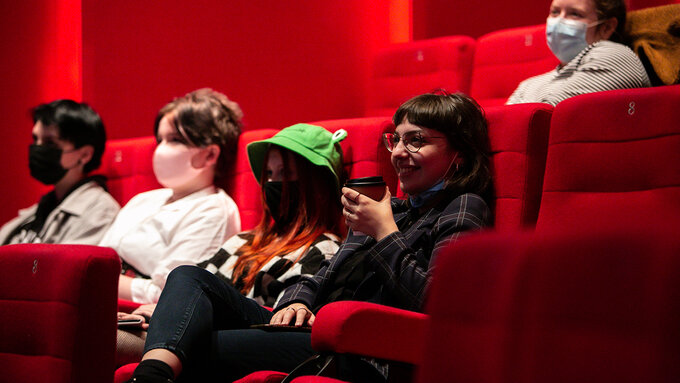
point(419, 171)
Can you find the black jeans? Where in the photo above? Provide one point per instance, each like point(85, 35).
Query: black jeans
point(205, 322)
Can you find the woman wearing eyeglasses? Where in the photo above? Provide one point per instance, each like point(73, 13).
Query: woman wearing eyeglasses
point(440, 152)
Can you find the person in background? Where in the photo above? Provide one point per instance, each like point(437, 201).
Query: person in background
point(68, 143)
point(201, 328)
point(299, 171)
point(187, 221)
point(586, 36)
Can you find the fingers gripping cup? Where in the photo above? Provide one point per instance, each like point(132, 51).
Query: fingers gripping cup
point(372, 187)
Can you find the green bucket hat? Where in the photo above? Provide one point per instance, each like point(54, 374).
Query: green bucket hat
point(312, 142)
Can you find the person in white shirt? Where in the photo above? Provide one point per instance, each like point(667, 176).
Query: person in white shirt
point(187, 221)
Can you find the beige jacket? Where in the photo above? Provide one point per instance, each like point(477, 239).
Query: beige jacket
point(81, 218)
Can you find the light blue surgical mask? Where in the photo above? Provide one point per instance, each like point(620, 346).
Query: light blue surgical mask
point(566, 38)
point(420, 199)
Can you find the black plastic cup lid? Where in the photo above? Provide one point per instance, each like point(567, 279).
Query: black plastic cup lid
point(365, 181)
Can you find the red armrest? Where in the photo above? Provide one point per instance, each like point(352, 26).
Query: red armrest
point(370, 329)
point(127, 306)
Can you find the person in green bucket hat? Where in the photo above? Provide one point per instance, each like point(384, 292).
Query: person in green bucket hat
point(299, 171)
point(440, 152)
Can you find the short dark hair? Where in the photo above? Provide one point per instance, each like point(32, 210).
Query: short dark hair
point(462, 121)
point(606, 9)
point(206, 117)
point(77, 123)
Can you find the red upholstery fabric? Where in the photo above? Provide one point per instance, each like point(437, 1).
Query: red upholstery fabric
point(519, 141)
point(504, 58)
point(613, 156)
point(364, 153)
point(315, 379)
point(124, 373)
point(127, 163)
point(402, 71)
point(263, 377)
point(241, 185)
point(58, 305)
point(364, 328)
point(598, 306)
point(127, 306)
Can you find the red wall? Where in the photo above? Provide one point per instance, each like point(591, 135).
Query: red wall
point(433, 18)
point(284, 62)
point(39, 46)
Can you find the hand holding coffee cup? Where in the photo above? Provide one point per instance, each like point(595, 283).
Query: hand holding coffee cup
point(373, 187)
point(367, 207)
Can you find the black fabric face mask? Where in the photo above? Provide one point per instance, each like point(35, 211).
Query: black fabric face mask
point(273, 191)
point(45, 164)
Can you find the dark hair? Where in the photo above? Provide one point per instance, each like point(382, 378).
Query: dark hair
point(77, 123)
point(205, 117)
point(606, 9)
point(462, 121)
point(318, 211)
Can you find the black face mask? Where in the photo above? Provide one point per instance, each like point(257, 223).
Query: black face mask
point(45, 164)
point(273, 191)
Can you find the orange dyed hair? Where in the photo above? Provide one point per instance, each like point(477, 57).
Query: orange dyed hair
point(318, 211)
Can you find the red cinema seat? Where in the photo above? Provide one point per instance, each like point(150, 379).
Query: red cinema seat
point(364, 154)
point(402, 71)
point(241, 185)
point(518, 136)
point(505, 58)
point(127, 165)
point(614, 157)
point(562, 306)
point(58, 310)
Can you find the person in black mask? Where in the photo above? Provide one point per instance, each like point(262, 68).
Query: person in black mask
point(68, 143)
point(300, 172)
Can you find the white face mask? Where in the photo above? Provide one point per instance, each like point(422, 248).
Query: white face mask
point(566, 38)
point(172, 165)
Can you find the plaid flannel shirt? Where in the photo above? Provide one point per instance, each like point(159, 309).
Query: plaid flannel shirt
point(401, 263)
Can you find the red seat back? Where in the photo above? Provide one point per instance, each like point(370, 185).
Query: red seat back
point(127, 164)
point(242, 185)
point(567, 307)
point(519, 139)
point(58, 310)
point(402, 71)
point(505, 58)
point(364, 153)
point(614, 156)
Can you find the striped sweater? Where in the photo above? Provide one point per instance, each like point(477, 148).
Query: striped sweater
point(604, 65)
point(278, 273)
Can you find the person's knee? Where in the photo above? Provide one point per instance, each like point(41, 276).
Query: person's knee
point(186, 273)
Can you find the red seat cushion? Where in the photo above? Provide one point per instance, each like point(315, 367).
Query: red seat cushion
point(505, 58)
point(563, 306)
point(364, 154)
point(127, 164)
point(518, 135)
point(242, 185)
point(58, 309)
point(402, 71)
point(613, 156)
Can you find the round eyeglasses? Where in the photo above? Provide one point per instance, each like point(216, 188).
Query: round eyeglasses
point(412, 141)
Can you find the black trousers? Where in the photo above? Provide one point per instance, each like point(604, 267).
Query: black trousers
point(205, 322)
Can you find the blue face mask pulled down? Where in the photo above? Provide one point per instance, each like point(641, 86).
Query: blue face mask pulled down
point(566, 38)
